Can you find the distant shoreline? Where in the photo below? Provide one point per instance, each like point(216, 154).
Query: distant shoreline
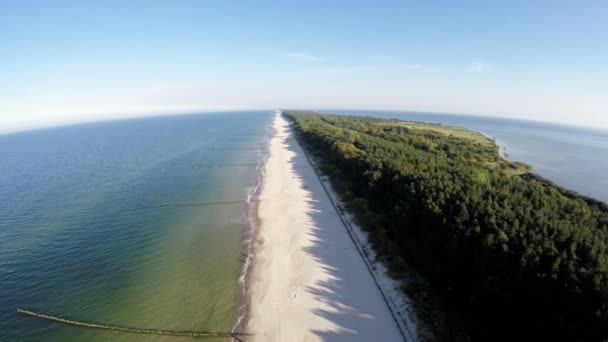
point(502, 150)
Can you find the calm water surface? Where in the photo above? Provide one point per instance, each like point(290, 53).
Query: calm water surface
point(89, 228)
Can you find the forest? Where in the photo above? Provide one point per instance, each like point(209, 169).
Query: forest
point(499, 253)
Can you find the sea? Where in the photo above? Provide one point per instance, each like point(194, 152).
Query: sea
point(146, 222)
point(138, 223)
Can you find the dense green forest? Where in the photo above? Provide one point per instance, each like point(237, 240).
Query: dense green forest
point(508, 255)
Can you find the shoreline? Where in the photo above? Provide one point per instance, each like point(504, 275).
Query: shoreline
point(307, 280)
point(502, 149)
point(249, 236)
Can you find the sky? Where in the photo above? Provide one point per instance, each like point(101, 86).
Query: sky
point(74, 61)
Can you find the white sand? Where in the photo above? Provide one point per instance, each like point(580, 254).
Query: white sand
point(308, 281)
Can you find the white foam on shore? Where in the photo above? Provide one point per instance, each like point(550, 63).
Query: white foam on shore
point(250, 217)
point(502, 149)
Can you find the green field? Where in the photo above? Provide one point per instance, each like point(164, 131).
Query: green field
point(458, 132)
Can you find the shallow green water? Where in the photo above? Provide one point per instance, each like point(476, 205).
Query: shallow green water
point(90, 229)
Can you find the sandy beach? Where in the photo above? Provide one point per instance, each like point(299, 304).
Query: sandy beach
point(308, 281)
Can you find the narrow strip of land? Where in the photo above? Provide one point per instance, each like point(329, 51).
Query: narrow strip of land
point(309, 282)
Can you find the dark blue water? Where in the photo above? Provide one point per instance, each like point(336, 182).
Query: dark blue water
point(573, 157)
point(86, 232)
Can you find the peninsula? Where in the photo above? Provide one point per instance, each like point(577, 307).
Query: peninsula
point(308, 281)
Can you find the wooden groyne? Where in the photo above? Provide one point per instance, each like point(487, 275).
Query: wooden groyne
point(188, 333)
point(236, 149)
point(195, 204)
point(226, 165)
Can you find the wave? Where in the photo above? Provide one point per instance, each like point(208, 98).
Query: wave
point(251, 218)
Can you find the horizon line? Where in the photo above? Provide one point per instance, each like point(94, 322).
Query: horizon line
point(169, 113)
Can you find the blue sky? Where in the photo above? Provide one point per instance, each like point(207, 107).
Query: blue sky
point(84, 60)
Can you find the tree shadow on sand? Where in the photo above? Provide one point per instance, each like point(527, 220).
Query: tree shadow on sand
point(348, 298)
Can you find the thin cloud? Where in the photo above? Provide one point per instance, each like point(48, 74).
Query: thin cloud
point(382, 59)
point(366, 68)
point(478, 67)
point(302, 56)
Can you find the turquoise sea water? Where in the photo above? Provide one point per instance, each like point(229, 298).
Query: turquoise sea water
point(573, 157)
point(91, 225)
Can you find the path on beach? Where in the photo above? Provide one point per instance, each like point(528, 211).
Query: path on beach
point(308, 281)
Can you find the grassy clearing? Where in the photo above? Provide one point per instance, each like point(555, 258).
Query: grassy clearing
point(503, 165)
point(459, 132)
